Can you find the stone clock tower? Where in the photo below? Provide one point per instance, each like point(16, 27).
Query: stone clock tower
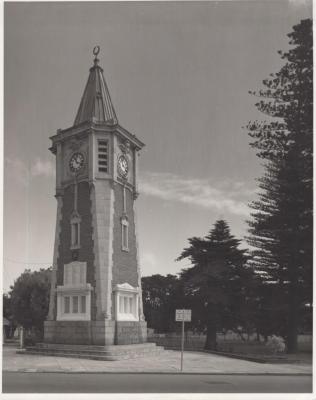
point(96, 289)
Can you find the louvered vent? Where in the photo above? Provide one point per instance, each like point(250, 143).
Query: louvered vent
point(103, 155)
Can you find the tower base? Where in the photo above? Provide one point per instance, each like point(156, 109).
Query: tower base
point(92, 352)
point(102, 333)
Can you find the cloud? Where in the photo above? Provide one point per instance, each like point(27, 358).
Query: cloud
point(22, 173)
point(42, 168)
point(231, 197)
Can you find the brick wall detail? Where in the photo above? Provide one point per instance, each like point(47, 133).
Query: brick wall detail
point(85, 253)
point(124, 262)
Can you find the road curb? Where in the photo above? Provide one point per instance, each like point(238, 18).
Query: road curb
point(32, 370)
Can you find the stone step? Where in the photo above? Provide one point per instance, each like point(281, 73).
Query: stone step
point(91, 351)
point(94, 356)
point(68, 355)
point(106, 353)
point(76, 347)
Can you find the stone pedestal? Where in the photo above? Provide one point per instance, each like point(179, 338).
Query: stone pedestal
point(130, 332)
point(100, 333)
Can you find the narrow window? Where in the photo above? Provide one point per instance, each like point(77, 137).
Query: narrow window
point(83, 304)
point(75, 231)
point(125, 237)
point(75, 304)
point(67, 305)
point(102, 155)
point(75, 234)
point(124, 223)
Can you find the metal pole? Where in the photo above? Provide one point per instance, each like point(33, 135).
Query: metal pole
point(21, 337)
point(182, 343)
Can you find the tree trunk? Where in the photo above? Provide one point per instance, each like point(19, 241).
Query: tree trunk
point(293, 321)
point(211, 343)
point(293, 308)
point(291, 340)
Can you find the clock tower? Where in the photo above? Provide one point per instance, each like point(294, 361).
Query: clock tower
point(95, 293)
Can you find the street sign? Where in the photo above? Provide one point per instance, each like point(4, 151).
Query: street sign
point(183, 315)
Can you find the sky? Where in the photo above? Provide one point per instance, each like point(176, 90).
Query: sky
point(178, 74)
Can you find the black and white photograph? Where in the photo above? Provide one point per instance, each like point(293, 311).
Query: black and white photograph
point(158, 199)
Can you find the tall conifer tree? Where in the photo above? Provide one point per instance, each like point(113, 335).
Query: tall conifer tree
point(281, 227)
point(219, 281)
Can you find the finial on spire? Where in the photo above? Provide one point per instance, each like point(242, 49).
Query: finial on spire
point(96, 51)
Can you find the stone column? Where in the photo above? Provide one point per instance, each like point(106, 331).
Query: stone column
point(102, 201)
point(140, 298)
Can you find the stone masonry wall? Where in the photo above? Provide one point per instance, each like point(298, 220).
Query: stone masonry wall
point(130, 332)
point(80, 332)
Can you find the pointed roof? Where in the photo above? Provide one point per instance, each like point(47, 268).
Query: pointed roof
point(96, 102)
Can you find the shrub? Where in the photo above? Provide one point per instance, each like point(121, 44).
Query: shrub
point(276, 344)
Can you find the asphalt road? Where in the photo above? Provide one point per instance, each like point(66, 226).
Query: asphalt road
point(17, 382)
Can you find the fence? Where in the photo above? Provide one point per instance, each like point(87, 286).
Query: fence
point(231, 343)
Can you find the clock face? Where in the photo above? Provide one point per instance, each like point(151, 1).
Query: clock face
point(76, 162)
point(122, 166)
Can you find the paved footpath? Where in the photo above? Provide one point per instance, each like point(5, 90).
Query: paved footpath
point(166, 362)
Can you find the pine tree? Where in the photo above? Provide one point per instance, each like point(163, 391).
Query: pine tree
point(219, 280)
point(281, 226)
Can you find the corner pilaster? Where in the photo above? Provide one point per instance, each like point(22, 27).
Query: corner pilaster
point(102, 203)
point(139, 278)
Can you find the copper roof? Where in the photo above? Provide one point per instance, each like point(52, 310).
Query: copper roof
point(96, 102)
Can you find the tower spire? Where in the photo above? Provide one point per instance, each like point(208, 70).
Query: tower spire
point(96, 102)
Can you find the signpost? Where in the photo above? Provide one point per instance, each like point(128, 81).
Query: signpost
point(21, 337)
point(184, 316)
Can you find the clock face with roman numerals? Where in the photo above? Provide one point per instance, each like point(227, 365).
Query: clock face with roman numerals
point(122, 166)
point(76, 162)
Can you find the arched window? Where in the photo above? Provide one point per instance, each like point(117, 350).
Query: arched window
point(124, 224)
point(75, 231)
